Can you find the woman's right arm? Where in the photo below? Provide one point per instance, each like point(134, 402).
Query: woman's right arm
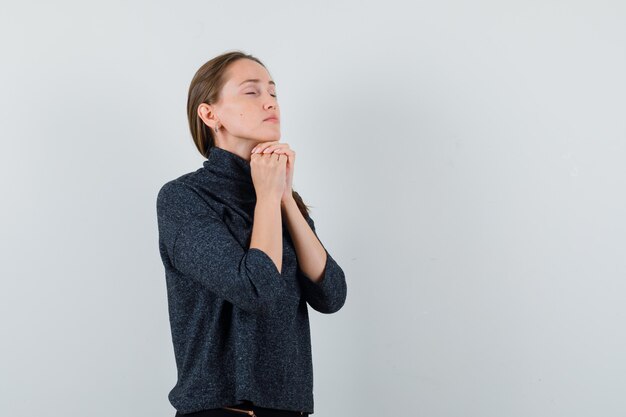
point(199, 245)
point(267, 229)
point(268, 176)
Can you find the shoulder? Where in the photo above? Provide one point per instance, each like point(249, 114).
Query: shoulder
point(182, 194)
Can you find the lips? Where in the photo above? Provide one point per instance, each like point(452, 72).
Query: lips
point(271, 118)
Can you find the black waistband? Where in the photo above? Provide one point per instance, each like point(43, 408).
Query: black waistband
point(246, 406)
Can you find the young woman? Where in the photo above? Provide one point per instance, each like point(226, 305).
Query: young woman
point(242, 258)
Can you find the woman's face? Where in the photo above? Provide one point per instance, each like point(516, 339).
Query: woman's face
point(244, 105)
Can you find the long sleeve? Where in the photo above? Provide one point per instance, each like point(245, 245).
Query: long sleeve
point(200, 246)
point(328, 295)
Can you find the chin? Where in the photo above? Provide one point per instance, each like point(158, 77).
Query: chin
point(270, 137)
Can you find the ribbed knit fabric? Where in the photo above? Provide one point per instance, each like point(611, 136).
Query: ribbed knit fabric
point(240, 329)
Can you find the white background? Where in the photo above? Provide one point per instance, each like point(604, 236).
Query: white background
point(465, 162)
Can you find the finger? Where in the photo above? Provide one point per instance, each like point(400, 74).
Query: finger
point(269, 149)
point(261, 146)
point(276, 148)
point(287, 152)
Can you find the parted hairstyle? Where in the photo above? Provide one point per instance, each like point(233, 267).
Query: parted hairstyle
point(205, 87)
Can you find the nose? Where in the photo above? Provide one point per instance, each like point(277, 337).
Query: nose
point(272, 103)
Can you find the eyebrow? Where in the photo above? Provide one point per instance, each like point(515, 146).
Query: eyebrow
point(256, 80)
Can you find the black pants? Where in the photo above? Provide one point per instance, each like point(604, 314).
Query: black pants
point(244, 410)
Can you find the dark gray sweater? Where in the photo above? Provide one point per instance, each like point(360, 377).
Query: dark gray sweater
point(240, 329)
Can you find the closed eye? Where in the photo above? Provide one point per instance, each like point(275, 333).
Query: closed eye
point(252, 92)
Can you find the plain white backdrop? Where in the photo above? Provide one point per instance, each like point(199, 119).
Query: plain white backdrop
point(465, 162)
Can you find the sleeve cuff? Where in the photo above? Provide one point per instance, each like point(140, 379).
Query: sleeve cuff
point(328, 295)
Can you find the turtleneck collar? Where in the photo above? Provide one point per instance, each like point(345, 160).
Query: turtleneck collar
point(229, 165)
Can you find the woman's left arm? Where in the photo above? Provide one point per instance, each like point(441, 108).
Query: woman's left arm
point(322, 279)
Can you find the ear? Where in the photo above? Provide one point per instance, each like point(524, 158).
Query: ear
point(205, 113)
